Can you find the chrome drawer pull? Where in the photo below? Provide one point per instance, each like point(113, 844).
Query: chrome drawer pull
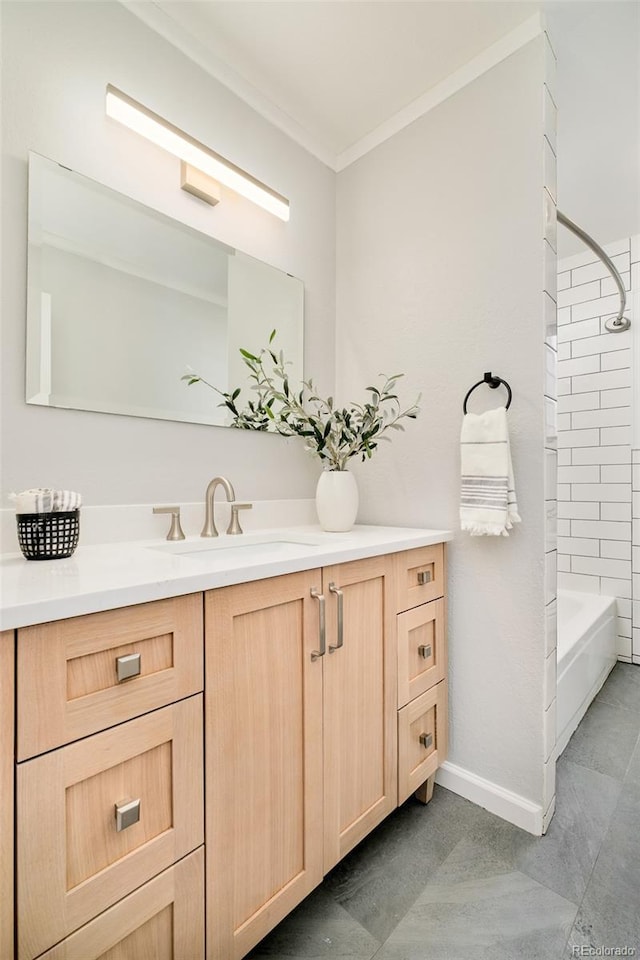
point(128, 666)
point(127, 813)
point(425, 650)
point(424, 576)
point(426, 739)
point(316, 654)
point(339, 594)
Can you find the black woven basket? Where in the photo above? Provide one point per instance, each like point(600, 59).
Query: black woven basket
point(48, 536)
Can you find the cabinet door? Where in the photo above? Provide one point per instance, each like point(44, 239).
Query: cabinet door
point(360, 703)
point(6, 792)
point(263, 768)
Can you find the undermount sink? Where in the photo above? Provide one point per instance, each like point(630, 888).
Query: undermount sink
point(257, 544)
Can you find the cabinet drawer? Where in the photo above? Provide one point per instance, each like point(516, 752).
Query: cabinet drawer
point(420, 575)
point(68, 670)
point(73, 858)
point(426, 716)
point(163, 920)
point(421, 650)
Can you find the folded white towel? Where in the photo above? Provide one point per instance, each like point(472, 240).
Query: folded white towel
point(488, 500)
point(45, 500)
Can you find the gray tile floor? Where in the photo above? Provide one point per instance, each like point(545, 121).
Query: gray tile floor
point(450, 881)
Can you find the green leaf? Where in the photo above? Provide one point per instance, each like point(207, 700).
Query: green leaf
point(248, 356)
point(271, 338)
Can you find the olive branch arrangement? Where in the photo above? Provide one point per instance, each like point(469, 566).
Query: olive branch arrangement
point(332, 433)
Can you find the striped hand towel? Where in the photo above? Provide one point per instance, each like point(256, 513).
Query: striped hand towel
point(45, 500)
point(488, 501)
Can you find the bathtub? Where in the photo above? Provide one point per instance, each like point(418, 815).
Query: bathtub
point(586, 653)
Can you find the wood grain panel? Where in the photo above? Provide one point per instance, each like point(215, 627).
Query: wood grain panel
point(63, 666)
point(66, 813)
point(263, 759)
point(423, 625)
point(163, 920)
point(7, 692)
point(360, 703)
point(426, 714)
point(409, 565)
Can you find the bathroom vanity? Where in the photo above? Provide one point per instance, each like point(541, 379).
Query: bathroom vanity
point(252, 719)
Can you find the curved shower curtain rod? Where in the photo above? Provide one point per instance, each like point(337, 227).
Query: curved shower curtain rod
point(613, 324)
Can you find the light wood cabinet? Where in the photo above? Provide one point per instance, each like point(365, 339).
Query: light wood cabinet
point(264, 757)
point(360, 741)
point(6, 791)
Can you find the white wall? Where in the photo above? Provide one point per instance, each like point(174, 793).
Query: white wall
point(57, 60)
point(440, 275)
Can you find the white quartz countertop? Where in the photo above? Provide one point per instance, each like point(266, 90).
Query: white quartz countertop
point(113, 575)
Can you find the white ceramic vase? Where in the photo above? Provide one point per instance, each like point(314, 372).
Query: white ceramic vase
point(337, 500)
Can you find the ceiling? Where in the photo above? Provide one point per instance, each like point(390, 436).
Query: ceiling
point(334, 74)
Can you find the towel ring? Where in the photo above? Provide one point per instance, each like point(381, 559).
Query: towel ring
point(494, 383)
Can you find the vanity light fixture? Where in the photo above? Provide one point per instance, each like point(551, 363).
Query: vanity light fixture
point(193, 153)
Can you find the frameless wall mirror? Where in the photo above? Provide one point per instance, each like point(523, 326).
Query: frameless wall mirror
point(123, 300)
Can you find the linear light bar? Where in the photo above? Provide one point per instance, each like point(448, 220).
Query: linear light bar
point(150, 125)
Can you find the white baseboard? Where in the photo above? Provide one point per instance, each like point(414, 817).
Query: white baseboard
point(494, 798)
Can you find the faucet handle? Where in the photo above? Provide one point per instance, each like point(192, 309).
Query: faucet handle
point(175, 530)
point(234, 523)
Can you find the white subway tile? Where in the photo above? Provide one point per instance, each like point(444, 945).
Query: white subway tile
point(636, 586)
point(616, 247)
point(603, 343)
point(564, 351)
point(616, 473)
point(564, 280)
point(635, 539)
point(615, 511)
point(611, 587)
point(551, 516)
point(564, 528)
point(563, 387)
point(564, 563)
point(576, 331)
point(636, 505)
point(578, 511)
point(563, 316)
point(550, 222)
point(602, 567)
point(608, 530)
point(610, 380)
point(579, 294)
point(616, 360)
point(613, 417)
point(635, 476)
point(624, 627)
point(623, 648)
point(579, 401)
point(615, 435)
point(550, 388)
point(578, 546)
point(616, 398)
point(610, 492)
point(635, 246)
point(615, 549)
point(550, 424)
point(564, 421)
point(635, 560)
point(600, 455)
point(597, 270)
point(550, 576)
point(550, 474)
point(623, 607)
point(572, 368)
point(635, 610)
point(550, 320)
point(635, 456)
point(599, 307)
point(564, 491)
point(551, 627)
point(578, 438)
point(579, 474)
point(550, 273)
point(577, 260)
point(608, 284)
point(575, 581)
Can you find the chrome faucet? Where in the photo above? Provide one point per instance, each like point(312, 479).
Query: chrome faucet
point(209, 529)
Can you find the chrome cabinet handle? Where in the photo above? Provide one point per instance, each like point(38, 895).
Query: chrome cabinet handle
point(128, 666)
point(340, 595)
point(426, 739)
point(316, 654)
point(127, 813)
point(424, 576)
point(425, 650)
